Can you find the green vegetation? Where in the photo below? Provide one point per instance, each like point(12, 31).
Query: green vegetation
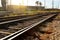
point(32, 12)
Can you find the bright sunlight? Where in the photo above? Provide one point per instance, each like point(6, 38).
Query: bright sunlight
point(16, 2)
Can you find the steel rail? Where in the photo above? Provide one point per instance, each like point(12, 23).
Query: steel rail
point(12, 36)
point(17, 20)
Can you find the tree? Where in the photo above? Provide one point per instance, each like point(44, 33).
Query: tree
point(37, 2)
point(40, 4)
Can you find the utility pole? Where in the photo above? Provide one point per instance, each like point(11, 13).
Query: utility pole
point(44, 3)
point(27, 2)
point(3, 2)
point(22, 2)
point(10, 5)
point(27, 5)
point(58, 4)
point(10, 2)
point(52, 4)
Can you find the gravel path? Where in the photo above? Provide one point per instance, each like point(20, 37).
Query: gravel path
point(56, 24)
point(46, 31)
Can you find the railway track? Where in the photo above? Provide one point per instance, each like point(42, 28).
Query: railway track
point(17, 27)
point(2, 19)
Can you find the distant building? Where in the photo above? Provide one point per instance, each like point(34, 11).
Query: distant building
point(18, 8)
point(35, 7)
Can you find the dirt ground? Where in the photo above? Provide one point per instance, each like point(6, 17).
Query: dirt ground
point(46, 31)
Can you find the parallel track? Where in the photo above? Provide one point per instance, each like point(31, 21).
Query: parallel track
point(4, 19)
point(27, 24)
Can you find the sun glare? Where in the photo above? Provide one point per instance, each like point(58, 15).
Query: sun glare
point(15, 2)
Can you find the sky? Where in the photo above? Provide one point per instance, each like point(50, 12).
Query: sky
point(48, 3)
